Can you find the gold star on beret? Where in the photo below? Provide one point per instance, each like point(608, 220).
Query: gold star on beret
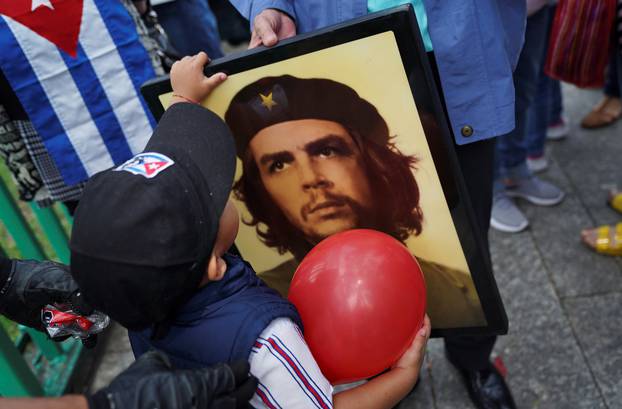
point(267, 101)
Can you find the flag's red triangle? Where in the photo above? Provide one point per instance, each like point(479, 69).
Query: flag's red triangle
point(60, 25)
point(152, 167)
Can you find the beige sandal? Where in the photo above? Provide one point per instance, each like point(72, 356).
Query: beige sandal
point(605, 113)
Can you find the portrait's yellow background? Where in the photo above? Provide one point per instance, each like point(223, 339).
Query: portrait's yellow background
point(373, 67)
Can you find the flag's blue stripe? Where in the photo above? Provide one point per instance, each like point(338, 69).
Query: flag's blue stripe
point(98, 105)
point(25, 83)
point(123, 32)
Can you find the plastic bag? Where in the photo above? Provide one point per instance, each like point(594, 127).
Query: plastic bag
point(61, 323)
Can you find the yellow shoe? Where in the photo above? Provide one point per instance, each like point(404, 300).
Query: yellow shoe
point(604, 239)
point(615, 200)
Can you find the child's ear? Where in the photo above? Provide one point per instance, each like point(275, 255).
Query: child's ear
point(216, 268)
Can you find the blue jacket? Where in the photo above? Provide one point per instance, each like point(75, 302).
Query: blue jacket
point(476, 45)
point(221, 322)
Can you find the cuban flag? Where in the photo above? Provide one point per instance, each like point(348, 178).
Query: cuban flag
point(77, 66)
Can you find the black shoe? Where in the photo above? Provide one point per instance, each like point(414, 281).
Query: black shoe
point(487, 388)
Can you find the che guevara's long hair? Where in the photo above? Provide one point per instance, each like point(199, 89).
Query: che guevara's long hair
point(393, 187)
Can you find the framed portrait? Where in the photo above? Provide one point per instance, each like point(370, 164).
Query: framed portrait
point(344, 128)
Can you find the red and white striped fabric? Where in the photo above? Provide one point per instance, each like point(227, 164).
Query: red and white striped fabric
point(288, 375)
point(579, 44)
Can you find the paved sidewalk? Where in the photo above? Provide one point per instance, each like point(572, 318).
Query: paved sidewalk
point(564, 347)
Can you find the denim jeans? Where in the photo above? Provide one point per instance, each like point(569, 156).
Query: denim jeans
point(511, 149)
point(191, 27)
point(546, 108)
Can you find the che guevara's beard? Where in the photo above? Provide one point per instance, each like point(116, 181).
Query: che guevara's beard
point(364, 216)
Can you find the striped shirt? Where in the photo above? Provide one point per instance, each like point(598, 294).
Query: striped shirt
point(288, 375)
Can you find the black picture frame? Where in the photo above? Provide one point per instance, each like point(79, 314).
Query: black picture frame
point(419, 68)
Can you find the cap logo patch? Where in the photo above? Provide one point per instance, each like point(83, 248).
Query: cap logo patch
point(147, 164)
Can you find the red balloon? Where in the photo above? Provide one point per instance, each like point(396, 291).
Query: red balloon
point(361, 296)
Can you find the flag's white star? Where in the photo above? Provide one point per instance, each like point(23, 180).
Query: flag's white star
point(38, 3)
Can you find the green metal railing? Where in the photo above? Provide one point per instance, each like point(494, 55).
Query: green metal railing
point(31, 364)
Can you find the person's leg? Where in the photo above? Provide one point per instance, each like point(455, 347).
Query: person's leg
point(191, 27)
point(538, 117)
point(556, 108)
point(544, 111)
point(609, 109)
point(554, 86)
point(476, 163)
point(511, 148)
point(511, 151)
point(471, 354)
point(558, 126)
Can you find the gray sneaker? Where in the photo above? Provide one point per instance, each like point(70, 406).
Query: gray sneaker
point(536, 191)
point(538, 164)
point(506, 217)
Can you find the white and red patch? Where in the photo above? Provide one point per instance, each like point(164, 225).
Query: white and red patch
point(147, 164)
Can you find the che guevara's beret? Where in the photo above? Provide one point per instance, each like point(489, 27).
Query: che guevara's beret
point(272, 100)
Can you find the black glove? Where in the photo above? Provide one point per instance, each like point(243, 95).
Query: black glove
point(31, 286)
point(151, 382)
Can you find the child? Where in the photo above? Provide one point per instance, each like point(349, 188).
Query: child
point(149, 248)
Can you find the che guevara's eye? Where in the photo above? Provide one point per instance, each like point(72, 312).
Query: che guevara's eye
point(327, 151)
point(277, 166)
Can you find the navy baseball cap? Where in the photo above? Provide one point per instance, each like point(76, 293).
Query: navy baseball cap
point(144, 231)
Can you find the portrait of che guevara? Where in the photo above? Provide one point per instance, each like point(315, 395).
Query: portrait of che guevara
point(318, 159)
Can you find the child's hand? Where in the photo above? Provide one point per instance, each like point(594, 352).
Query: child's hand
point(412, 359)
point(188, 81)
point(387, 389)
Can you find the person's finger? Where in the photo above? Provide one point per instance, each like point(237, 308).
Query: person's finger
point(265, 30)
point(201, 58)
point(212, 82)
point(186, 58)
point(421, 339)
point(255, 41)
point(426, 327)
point(287, 27)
